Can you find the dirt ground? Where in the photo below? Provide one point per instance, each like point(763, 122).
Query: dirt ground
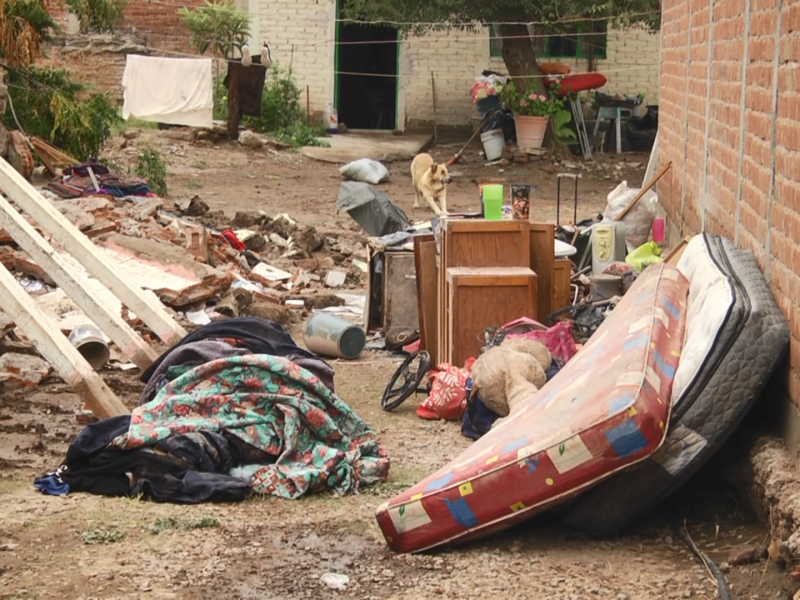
point(81, 546)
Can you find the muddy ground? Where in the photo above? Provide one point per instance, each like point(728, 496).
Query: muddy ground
point(83, 546)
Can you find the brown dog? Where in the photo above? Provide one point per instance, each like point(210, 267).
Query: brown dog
point(430, 182)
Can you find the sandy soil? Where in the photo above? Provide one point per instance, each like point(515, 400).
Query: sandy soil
point(82, 546)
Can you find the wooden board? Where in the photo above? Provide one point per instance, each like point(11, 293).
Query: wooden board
point(561, 284)
point(427, 292)
point(675, 254)
point(399, 291)
point(542, 262)
point(473, 300)
point(479, 243)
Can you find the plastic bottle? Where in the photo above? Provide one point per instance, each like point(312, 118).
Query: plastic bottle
point(331, 119)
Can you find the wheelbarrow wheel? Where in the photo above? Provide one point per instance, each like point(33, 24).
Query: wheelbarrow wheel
point(405, 381)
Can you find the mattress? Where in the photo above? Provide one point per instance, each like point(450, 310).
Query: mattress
point(736, 337)
point(605, 410)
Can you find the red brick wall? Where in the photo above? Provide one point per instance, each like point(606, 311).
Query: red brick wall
point(732, 131)
point(148, 27)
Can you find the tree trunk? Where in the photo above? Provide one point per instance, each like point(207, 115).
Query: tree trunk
point(519, 57)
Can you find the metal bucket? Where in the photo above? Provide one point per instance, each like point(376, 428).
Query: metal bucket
point(328, 335)
point(88, 340)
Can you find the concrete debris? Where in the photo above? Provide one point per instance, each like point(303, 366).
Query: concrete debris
point(193, 207)
point(251, 140)
point(22, 370)
point(335, 279)
point(266, 274)
point(76, 215)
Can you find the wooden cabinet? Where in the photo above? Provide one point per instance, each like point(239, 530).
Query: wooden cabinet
point(479, 298)
point(399, 291)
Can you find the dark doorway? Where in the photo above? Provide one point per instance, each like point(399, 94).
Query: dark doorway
point(367, 76)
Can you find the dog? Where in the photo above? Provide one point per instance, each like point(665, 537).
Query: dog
point(430, 182)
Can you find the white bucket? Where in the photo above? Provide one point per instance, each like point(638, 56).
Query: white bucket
point(493, 143)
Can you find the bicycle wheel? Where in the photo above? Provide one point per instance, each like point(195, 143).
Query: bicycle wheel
point(406, 380)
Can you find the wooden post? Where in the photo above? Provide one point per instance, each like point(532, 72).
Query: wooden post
point(79, 246)
point(435, 118)
point(56, 349)
point(107, 319)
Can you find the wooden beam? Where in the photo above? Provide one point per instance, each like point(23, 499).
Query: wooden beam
point(643, 191)
point(56, 349)
point(78, 245)
point(75, 285)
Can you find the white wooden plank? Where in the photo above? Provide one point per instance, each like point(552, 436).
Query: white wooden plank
point(76, 286)
point(56, 349)
point(73, 241)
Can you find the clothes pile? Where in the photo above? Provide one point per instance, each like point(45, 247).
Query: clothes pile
point(92, 177)
point(235, 408)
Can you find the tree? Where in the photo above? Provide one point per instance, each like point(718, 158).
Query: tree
point(509, 18)
point(48, 102)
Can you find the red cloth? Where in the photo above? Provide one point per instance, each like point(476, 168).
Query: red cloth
point(448, 397)
point(232, 240)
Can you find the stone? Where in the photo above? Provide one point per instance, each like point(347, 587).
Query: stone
point(194, 207)
point(308, 240)
point(255, 243)
point(75, 214)
point(131, 134)
point(22, 370)
point(250, 139)
point(148, 208)
point(521, 157)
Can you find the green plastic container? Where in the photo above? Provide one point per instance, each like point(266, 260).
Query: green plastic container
point(493, 202)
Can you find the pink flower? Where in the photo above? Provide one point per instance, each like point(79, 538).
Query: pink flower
point(523, 102)
point(542, 98)
point(532, 96)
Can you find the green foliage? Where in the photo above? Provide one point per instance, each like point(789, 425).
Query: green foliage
point(151, 167)
point(282, 115)
point(102, 536)
point(563, 134)
point(97, 15)
point(24, 26)
point(171, 523)
point(529, 102)
point(51, 105)
point(439, 15)
point(217, 25)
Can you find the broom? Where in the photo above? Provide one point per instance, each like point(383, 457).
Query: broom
point(458, 154)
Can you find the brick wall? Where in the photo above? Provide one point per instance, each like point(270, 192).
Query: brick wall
point(730, 124)
point(99, 60)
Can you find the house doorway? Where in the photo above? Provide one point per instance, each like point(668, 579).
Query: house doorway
point(366, 80)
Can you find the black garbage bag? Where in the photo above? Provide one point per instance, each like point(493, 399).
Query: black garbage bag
point(501, 118)
point(371, 209)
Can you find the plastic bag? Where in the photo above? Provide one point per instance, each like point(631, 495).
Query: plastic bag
point(448, 397)
point(365, 170)
point(558, 338)
point(644, 256)
point(639, 220)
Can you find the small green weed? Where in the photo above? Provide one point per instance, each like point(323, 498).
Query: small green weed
point(151, 167)
point(172, 523)
point(102, 536)
point(196, 185)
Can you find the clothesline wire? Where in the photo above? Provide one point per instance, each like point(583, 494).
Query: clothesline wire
point(528, 23)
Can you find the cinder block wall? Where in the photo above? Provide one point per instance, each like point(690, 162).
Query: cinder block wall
point(730, 123)
point(301, 34)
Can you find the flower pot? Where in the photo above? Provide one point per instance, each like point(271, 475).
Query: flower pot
point(530, 131)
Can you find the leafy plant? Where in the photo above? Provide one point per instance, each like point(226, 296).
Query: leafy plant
point(171, 523)
point(563, 134)
point(102, 536)
point(151, 167)
point(300, 134)
point(49, 104)
point(97, 15)
point(24, 26)
point(217, 25)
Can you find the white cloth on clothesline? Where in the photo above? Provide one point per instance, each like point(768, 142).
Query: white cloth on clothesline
point(176, 91)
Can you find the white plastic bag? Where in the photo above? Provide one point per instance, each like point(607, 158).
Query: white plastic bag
point(639, 220)
point(366, 170)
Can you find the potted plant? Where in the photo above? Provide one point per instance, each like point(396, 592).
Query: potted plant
point(532, 112)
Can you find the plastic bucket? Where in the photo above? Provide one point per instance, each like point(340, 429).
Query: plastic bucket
point(88, 340)
point(493, 143)
point(493, 202)
point(328, 335)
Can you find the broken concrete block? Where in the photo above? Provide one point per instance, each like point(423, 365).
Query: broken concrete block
point(335, 279)
point(278, 240)
point(148, 208)
point(308, 240)
point(75, 214)
point(266, 274)
point(22, 370)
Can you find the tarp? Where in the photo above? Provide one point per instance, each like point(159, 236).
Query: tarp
point(371, 209)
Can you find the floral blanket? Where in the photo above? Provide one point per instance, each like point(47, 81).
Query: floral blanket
point(276, 406)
